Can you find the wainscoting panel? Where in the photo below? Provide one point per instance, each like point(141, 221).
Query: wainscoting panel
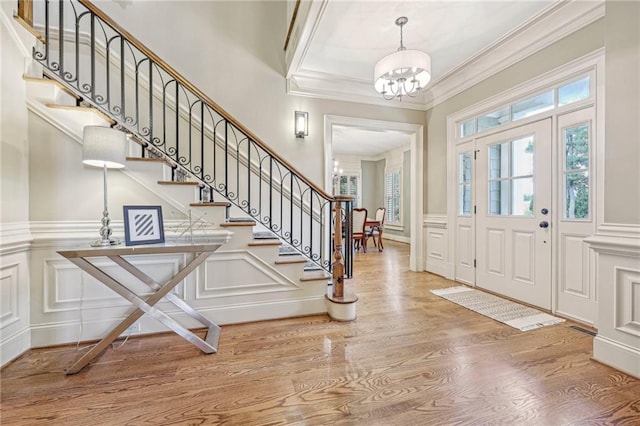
point(234, 274)
point(436, 238)
point(15, 334)
point(576, 288)
point(617, 276)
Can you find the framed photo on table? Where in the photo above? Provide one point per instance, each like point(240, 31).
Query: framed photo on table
point(143, 225)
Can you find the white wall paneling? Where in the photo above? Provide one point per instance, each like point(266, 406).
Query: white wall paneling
point(15, 334)
point(617, 274)
point(436, 249)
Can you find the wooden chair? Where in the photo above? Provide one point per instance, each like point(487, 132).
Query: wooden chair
point(358, 219)
point(375, 232)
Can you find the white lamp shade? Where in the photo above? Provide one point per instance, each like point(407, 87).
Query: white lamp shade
point(104, 146)
point(408, 64)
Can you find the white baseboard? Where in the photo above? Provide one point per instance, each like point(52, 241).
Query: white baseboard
point(617, 355)
point(441, 268)
point(399, 238)
point(71, 332)
point(14, 346)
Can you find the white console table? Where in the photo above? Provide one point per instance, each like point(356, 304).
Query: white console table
point(198, 253)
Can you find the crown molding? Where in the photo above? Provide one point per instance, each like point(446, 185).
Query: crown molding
point(552, 24)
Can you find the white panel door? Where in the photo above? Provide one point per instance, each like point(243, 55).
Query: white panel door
point(513, 217)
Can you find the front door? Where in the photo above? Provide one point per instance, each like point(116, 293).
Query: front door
point(513, 217)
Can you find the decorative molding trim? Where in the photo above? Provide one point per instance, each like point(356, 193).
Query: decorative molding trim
point(15, 237)
point(67, 332)
point(617, 355)
point(276, 281)
point(435, 221)
point(548, 27)
point(399, 238)
point(15, 345)
point(10, 25)
point(552, 24)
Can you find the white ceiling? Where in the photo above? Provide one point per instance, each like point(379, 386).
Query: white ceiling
point(336, 43)
point(353, 35)
point(366, 143)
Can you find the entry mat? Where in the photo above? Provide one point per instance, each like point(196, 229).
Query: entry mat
point(511, 313)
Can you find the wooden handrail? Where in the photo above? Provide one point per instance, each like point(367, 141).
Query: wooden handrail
point(25, 11)
point(179, 78)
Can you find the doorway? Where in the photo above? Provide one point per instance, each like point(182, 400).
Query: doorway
point(415, 133)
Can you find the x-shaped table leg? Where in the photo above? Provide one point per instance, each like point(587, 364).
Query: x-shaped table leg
point(147, 306)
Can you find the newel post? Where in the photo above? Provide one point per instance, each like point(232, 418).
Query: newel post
point(341, 306)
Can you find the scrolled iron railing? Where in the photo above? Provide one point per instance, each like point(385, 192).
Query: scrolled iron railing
point(109, 69)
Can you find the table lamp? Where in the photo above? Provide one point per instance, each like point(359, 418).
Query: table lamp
point(104, 147)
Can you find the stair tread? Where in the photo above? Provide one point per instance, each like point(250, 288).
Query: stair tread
point(82, 108)
point(51, 82)
point(212, 204)
point(247, 223)
point(145, 159)
point(172, 182)
point(283, 260)
point(315, 275)
point(257, 243)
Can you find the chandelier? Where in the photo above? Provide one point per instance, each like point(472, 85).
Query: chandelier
point(403, 72)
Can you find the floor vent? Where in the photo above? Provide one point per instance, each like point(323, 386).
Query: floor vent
point(583, 330)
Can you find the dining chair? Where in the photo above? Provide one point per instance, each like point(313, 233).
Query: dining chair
point(375, 232)
point(358, 219)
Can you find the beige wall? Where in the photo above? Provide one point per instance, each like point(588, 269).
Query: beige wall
point(63, 189)
point(622, 112)
point(571, 47)
point(233, 51)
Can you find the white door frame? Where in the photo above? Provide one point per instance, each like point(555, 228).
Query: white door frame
point(592, 62)
point(416, 132)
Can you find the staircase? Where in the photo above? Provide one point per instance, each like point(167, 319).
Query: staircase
point(196, 158)
point(107, 69)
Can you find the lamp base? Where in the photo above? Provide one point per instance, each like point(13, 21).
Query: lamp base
point(105, 243)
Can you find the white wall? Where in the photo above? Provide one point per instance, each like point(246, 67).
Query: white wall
point(15, 336)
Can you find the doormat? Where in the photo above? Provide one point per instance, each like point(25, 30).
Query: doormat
point(511, 313)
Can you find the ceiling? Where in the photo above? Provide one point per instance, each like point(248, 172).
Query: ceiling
point(335, 44)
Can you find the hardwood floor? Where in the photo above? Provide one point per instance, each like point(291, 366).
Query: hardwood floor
point(410, 358)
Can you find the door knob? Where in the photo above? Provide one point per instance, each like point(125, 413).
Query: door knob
point(544, 224)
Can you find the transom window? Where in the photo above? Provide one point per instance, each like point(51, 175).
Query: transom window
point(563, 94)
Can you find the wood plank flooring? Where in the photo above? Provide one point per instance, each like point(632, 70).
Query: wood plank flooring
point(410, 358)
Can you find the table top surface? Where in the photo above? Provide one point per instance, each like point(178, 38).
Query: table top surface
point(140, 249)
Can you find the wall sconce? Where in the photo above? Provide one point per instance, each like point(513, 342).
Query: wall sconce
point(301, 124)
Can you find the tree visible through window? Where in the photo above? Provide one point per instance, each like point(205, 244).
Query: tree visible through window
point(576, 171)
point(392, 196)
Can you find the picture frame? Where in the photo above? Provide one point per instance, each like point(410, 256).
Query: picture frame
point(143, 225)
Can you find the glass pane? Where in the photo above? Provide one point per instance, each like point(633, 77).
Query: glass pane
point(577, 196)
point(499, 197)
point(574, 91)
point(522, 197)
point(464, 199)
point(468, 128)
point(464, 167)
point(499, 161)
point(534, 105)
point(576, 144)
point(522, 157)
point(493, 119)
